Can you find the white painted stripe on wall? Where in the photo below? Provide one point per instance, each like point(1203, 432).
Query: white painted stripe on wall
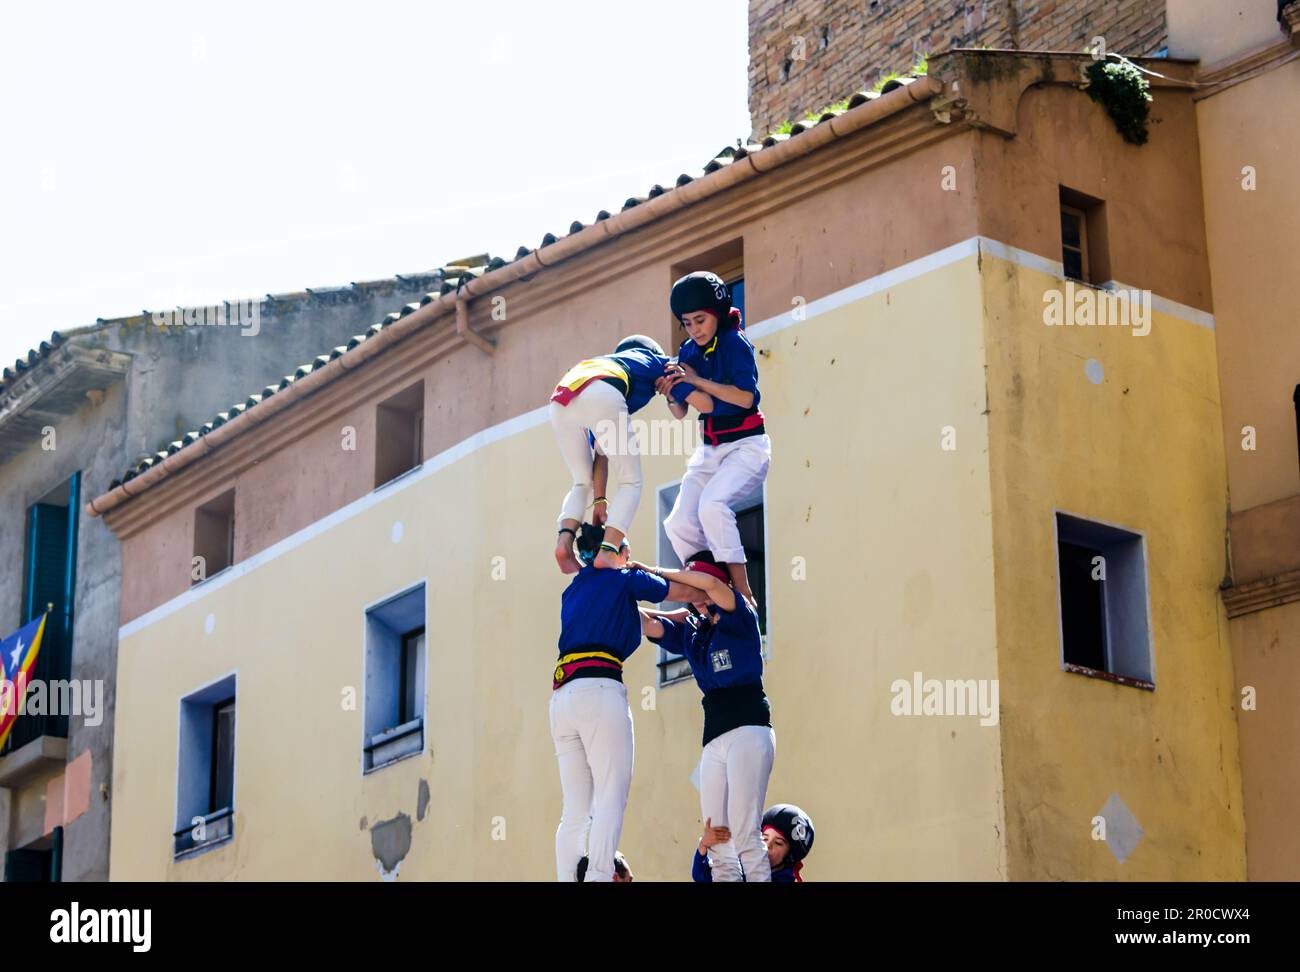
point(538, 416)
point(1171, 308)
point(866, 288)
point(1022, 258)
point(1054, 268)
point(942, 258)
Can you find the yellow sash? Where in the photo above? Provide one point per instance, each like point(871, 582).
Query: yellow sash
point(585, 372)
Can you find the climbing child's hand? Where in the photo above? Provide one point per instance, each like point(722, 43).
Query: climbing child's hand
point(713, 835)
point(669, 381)
point(674, 369)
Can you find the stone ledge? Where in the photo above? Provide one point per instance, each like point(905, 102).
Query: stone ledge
point(1261, 595)
point(42, 754)
point(59, 388)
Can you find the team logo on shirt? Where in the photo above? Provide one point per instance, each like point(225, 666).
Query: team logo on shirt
point(721, 660)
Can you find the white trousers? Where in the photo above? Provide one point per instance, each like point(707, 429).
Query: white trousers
point(716, 478)
point(591, 725)
point(601, 408)
point(734, 771)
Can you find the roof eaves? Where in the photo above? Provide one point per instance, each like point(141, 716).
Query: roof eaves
point(454, 278)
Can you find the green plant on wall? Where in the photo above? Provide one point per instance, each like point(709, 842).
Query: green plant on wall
point(1120, 88)
point(919, 69)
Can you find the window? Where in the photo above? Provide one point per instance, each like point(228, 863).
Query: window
point(1083, 611)
point(205, 789)
point(49, 583)
point(672, 667)
point(409, 697)
point(1085, 253)
point(1074, 243)
point(221, 785)
point(1105, 623)
point(214, 537)
point(395, 679)
point(40, 861)
point(399, 434)
point(737, 288)
point(751, 523)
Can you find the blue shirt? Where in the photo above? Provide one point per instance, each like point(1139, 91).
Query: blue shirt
point(599, 608)
point(644, 368)
point(729, 359)
point(722, 655)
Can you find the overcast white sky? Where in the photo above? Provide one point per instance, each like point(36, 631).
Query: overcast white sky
point(157, 155)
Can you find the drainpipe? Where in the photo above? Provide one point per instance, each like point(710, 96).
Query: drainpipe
point(463, 329)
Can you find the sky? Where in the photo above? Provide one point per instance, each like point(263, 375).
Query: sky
point(155, 155)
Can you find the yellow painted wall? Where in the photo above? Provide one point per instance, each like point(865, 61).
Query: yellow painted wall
point(1254, 238)
point(896, 537)
point(1137, 450)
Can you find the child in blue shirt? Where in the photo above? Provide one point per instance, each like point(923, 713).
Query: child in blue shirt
point(591, 723)
point(719, 638)
point(732, 460)
point(590, 408)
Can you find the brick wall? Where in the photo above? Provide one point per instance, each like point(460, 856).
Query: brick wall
point(806, 54)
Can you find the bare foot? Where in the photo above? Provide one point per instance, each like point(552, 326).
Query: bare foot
point(606, 559)
point(740, 580)
point(565, 558)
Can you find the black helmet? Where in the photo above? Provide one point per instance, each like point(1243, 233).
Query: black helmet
point(698, 291)
point(792, 824)
point(639, 341)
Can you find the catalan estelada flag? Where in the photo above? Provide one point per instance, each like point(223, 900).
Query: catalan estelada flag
point(17, 659)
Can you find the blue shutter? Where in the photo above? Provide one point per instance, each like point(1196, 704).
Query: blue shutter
point(50, 578)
